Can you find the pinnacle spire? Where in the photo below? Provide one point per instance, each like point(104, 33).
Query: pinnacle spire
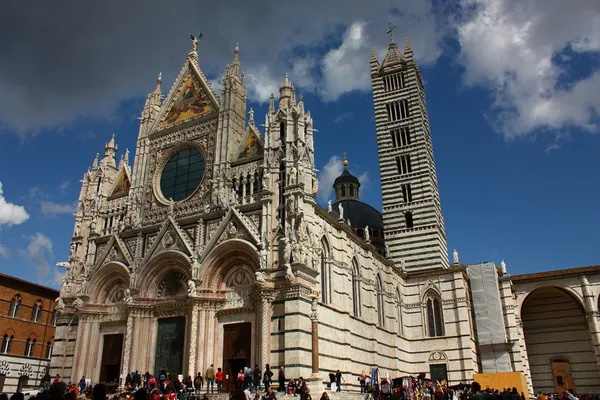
point(272, 102)
point(251, 118)
point(95, 162)
point(408, 53)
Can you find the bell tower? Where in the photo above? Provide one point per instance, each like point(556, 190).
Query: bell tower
point(412, 214)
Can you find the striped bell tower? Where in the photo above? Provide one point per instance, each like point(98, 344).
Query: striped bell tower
point(412, 214)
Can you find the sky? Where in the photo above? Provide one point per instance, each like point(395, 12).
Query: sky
point(511, 86)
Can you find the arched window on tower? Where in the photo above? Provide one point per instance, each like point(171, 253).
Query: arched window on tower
point(6, 342)
point(356, 305)
point(36, 313)
point(409, 219)
point(380, 303)
point(15, 306)
point(324, 272)
point(435, 318)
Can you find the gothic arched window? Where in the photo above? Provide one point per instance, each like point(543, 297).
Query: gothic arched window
point(380, 303)
point(36, 313)
point(49, 348)
point(435, 319)
point(399, 305)
point(15, 305)
point(355, 289)
point(29, 345)
point(54, 315)
point(6, 342)
point(324, 272)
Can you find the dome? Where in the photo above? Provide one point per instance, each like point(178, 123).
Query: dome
point(360, 214)
point(346, 177)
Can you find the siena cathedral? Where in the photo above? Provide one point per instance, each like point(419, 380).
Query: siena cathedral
point(211, 249)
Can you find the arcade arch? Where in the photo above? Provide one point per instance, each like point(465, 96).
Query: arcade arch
point(558, 341)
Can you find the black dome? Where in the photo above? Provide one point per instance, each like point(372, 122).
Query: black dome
point(346, 177)
point(360, 214)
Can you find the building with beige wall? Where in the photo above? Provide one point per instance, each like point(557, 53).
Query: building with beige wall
point(211, 249)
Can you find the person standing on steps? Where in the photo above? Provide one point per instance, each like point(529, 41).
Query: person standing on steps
point(267, 378)
point(338, 380)
point(256, 377)
point(198, 383)
point(210, 379)
point(281, 379)
point(219, 377)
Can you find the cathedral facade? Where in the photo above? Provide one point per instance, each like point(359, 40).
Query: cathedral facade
point(211, 250)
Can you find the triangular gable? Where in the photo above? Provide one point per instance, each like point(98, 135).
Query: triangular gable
point(122, 185)
point(190, 97)
point(115, 251)
point(233, 224)
point(251, 146)
point(170, 237)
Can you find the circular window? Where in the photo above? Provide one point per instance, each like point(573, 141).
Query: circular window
point(182, 175)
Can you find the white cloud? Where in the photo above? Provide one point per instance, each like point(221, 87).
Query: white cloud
point(11, 214)
point(343, 70)
point(510, 47)
point(39, 253)
point(51, 209)
point(64, 185)
point(332, 169)
point(260, 84)
point(4, 252)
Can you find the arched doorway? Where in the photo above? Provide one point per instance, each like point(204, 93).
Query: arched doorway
point(559, 345)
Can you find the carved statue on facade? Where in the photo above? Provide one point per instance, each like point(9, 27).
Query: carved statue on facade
point(287, 250)
point(60, 304)
point(128, 298)
point(195, 266)
point(388, 253)
point(289, 274)
point(329, 207)
point(265, 180)
point(341, 210)
point(315, 186)
point(191, 285)
point(263, 257)
point(455, 256)
point(367, 234)
point(503, 266)
point(260, 277)
point(78, 303)
point(132, 278)
point(293, 175)
point(72, 254)
point(403, 265)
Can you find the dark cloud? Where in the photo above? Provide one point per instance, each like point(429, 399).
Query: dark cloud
point(67, 58)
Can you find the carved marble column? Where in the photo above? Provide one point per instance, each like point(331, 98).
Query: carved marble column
point(127, 349)
point(81, 323)
point(265, 299)
point(201, 341)
point(192, 341)
point(314, 381)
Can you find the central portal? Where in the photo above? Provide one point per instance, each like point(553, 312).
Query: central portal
point(237, 339)
point(170, 339)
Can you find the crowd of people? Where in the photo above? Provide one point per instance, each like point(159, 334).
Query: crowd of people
point(254, 384)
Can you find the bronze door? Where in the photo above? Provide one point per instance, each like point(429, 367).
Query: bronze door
point(110, 366)
point(170, 339)
point(236, 352)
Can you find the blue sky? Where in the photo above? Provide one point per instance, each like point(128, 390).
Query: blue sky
point(511, 94)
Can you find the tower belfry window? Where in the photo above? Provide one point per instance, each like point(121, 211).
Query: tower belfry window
point(406, 193)
point(403, 164)
point(409, 219)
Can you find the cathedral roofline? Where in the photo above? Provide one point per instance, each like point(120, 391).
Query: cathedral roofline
point(557, 272)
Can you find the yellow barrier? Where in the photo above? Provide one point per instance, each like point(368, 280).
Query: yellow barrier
point(501, 380)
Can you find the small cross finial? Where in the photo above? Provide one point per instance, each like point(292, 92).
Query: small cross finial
point(391, 30)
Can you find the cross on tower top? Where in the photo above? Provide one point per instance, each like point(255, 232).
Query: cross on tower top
point(390, 31)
